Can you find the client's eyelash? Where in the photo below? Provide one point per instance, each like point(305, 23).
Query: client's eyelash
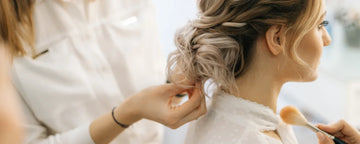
point(323, 24)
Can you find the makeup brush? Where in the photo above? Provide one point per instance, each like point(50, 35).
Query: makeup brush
point(293, 116)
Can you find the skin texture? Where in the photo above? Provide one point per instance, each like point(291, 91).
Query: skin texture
point(153, 103)
point(342, 130)
point(310, 52)
point(11, 130)
point(272, 66)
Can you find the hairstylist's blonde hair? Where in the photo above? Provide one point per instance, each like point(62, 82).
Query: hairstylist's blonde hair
point(16, 25)
point(207, 49)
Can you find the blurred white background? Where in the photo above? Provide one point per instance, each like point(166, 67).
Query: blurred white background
point(334, 95)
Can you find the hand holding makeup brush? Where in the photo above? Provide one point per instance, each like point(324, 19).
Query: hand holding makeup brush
point(291, 115)
point(341, 130)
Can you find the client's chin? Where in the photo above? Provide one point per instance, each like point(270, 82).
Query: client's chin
point(309, 77)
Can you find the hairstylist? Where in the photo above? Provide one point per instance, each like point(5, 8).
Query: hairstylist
point(92, 56)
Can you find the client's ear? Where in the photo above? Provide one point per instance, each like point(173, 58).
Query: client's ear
point(275, 39)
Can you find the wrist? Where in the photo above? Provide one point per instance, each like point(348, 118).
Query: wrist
point(126, 113)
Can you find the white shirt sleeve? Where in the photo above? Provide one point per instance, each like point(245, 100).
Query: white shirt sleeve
point(39, 134)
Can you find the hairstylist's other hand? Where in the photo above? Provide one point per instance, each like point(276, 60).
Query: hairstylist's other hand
point(154, 103)
point(341, 130)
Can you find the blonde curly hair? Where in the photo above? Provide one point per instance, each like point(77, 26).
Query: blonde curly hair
point(209, 49)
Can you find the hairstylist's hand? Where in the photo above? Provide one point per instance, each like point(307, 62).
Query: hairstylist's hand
point(341, 130)
point(154, 103)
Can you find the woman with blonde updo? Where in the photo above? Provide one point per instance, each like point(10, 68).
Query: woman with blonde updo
point(248, 49)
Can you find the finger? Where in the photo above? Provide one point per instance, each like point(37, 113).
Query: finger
point(190, 91)
point(195, 114)
point(339, 135)
point(198, 112)
point(332, 128)
point(324, 139)
point(348, 130)
point(325, 128)
point(189, 106)
point(173, 89)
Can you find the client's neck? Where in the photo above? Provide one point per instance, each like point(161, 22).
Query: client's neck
point(259, 87)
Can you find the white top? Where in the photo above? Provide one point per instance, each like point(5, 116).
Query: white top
point(233, 120)
point(95, 54)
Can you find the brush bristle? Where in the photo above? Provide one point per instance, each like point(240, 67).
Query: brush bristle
point(291, 115)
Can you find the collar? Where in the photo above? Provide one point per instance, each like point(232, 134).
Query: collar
point(240, 111)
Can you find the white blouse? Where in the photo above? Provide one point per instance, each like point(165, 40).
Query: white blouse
point(92, 54)
point(233, 120)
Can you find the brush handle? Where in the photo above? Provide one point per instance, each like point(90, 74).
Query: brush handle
point(316, 129)
point(338, 141)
